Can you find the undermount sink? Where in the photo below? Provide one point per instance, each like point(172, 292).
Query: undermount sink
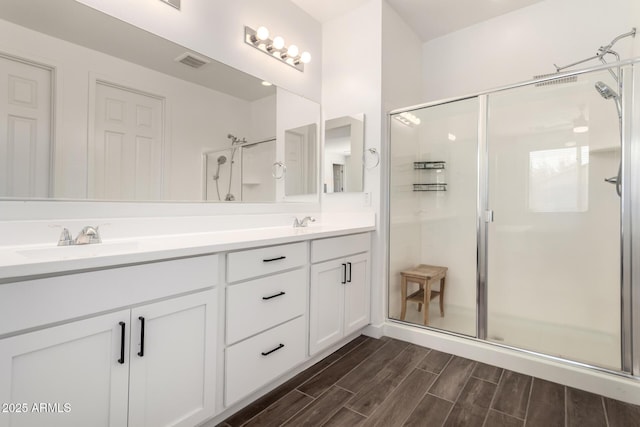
point(53, 253)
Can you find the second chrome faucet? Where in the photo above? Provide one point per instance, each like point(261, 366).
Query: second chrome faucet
point(304, 222)
point(88, 235)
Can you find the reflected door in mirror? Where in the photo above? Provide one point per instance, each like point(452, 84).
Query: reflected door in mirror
point(300, 160)
point(125, 161)
point(25, 129)
point(343, 154)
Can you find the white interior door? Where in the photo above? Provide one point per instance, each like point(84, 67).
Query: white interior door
point(294, 160)
point(125, 159)
point(25, 129)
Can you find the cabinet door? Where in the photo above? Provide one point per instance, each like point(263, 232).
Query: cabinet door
point(357, 293)
point(172, 379)
point(326, 309)
point(67, 375)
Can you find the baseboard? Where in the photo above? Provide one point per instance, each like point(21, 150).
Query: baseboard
point(374, 331)
point(616, 386)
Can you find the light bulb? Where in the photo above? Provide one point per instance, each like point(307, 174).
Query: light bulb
point(305, 57)
point(262, 33)
point(293, 50)
point(278, 42)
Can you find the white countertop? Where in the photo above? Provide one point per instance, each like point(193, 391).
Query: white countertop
point(31, 261)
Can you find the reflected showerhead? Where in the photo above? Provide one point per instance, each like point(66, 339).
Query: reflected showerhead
point(605, 91)
point(222, 160)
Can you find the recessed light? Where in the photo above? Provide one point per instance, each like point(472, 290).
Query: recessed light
point(266, 83)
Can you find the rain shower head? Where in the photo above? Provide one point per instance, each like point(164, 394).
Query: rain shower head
point(222, 160)
point(605, 90)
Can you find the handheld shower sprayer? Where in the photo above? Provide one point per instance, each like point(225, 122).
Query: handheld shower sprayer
point(607, 93)
point(221, 161)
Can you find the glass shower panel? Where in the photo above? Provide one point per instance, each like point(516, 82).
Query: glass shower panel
point(553, 248)
point(433, 216)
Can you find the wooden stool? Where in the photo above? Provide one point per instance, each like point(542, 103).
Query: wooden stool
point(424, 275)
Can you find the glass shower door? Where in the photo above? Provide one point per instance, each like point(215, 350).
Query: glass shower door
point(433, 216)
point(553, 244)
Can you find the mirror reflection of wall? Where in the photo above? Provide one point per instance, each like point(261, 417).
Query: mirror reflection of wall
point(120, 98)
point(343, 154)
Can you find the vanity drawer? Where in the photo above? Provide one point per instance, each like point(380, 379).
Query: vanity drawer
point(259, 262)
point(336, 247)
point(263, 303)
point(258, 360)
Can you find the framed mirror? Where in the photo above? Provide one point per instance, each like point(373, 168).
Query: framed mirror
point(98, 109)
point(343, 154)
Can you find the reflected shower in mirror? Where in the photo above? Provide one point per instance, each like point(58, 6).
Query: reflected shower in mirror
point(102, 110)
point(343, 154)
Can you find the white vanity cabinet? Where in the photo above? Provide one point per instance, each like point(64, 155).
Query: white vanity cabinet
point(109, 369)
point(74, 366)
point(339, 289)
point(266, 310)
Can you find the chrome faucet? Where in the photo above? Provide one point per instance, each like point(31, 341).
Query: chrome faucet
point(88, 235)
point(65, 238)
point(304, 222)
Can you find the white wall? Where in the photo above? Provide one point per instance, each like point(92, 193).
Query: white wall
point(516, 46)
point(197, 119)
point(352, 78)
point(216, 28)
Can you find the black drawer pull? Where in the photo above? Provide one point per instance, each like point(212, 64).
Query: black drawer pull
point(344, 274)
point(271, 351)
point(349, 279)
point(141, 352)
point(273, 296)
point(121, 360)
point(274, 259)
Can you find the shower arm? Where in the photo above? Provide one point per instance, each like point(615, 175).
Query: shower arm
point(601, 52)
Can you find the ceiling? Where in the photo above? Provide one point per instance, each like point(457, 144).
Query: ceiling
point(428, 18)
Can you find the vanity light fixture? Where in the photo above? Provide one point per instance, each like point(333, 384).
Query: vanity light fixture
point(407, 118)
point(276, 47)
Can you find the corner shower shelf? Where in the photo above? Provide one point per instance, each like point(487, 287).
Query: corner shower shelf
point(436, 166)
point(430, 187)
point(429, 165)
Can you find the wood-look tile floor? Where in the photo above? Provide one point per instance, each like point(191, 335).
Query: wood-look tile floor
point(387, 382)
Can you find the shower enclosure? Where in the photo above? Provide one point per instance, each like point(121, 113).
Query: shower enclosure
point(242, 172)
point(514, 192)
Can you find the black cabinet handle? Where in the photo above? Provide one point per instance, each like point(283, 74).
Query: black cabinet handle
point(141, 352)
point(273, 296)
point(349, 279)
point(274, 259)
point(344, 274)
point(121, 360)
point(271, 351)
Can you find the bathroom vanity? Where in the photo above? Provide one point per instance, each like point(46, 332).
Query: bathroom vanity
point(200, 325)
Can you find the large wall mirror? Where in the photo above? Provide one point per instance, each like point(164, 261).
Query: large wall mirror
point(99, 109)
point(343, 154)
